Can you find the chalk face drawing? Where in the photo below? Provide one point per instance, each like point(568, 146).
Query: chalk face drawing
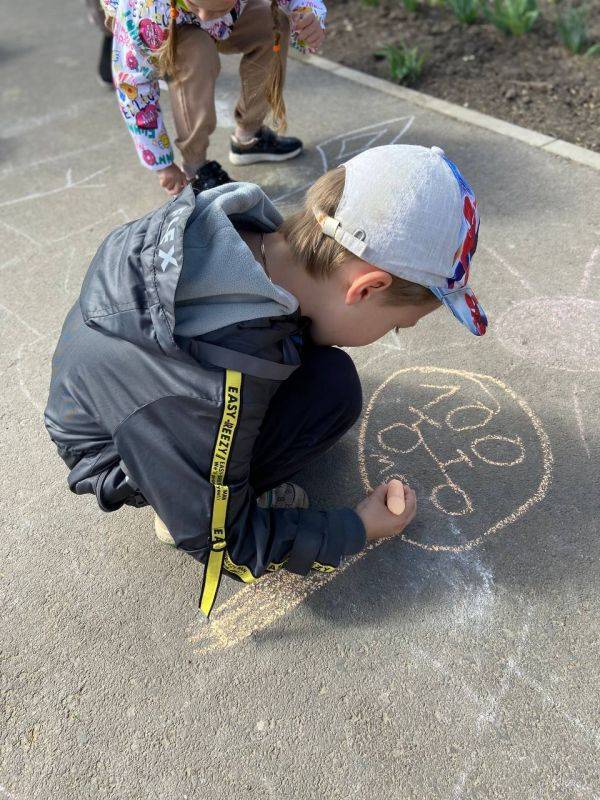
point(475, 452)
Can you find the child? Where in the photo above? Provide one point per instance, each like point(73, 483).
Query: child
point(198, 371)
point(182, 40)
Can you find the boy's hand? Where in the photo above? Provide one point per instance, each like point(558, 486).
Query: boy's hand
point(308, 28)
point(378, 521)
point(172, 179)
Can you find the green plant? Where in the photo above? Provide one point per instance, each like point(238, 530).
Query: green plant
point(466, 11)
point(572, 29)
point(513, 17)
point(405, 63)
point(370, 3)
point(410, 5)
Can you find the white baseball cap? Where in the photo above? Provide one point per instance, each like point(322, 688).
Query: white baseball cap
point(407, 210)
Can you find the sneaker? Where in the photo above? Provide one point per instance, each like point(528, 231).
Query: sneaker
point(162, 532)
point(210, 175)
point(266, 146)
point(288, 495)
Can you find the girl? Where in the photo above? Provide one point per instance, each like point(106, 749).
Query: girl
point(181, 40)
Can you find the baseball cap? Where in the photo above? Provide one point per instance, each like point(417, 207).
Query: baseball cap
point(408, 210)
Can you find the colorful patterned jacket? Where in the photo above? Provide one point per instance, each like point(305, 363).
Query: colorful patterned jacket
point(140, 28)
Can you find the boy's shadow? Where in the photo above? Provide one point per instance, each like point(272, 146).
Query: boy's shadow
point(537, 555)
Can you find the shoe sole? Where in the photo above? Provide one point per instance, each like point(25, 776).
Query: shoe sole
point(162, 532)
point(244, 159)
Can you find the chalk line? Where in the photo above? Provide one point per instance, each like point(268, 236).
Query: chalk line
point(587, 270)
point(579, 418)
point(69, 184)
point(23, 126)
point(20, 233)
point(433, 663)
point(86, 228)
point(21, 320)
point(513, 270)
point(364, 129)
point(259, 605)
point(489, 713)
point(590, 734)
point(107, 143)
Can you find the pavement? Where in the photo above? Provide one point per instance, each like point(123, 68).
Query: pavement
point(458, 662)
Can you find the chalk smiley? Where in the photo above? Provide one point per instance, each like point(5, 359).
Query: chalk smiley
point(475, 451)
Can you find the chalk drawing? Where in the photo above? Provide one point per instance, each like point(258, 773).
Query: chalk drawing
point(24, 126)
point(560, 333)
point(258, 605)
point(507, 266)
point(588, 270)
point(69, 184)
point(489, 714)
point(420, 412)
point(340, 148)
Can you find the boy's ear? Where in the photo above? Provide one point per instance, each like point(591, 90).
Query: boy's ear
point(364, 285)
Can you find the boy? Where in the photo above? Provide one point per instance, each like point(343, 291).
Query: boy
point(197, 372)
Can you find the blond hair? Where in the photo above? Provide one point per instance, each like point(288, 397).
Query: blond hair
point(322, 255)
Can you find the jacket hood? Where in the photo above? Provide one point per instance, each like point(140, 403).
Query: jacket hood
point(132, 285)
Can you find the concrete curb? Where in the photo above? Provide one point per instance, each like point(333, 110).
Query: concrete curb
point(551, 144)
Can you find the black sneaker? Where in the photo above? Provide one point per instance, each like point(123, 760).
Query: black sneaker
point(266, 146)
point(105, 63)
point(210, 175)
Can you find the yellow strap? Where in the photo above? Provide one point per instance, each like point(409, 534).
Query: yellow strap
point(212, 578)
point(218, 473)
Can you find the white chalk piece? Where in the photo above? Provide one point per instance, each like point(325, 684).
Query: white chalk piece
point(395, 497)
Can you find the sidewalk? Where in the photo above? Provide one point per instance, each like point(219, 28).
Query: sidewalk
point(458, 663)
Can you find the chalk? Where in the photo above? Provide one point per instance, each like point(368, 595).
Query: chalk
point(395, 497)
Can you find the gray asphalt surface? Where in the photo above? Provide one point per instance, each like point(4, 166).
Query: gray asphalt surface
point(460, 664)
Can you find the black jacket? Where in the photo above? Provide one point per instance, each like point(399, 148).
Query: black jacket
point(140, 416)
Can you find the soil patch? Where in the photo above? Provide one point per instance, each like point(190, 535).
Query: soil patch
point(531, 80)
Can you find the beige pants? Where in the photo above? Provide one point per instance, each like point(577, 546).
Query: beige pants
point(198, 66)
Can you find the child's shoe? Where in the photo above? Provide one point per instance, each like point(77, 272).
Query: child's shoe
point(210, 175)
point(105, 63)
point(288, 495)
point(266, 146)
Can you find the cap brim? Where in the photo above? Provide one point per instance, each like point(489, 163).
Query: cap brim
point(465, 307)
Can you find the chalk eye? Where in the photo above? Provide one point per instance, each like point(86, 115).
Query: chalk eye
point(360, 234)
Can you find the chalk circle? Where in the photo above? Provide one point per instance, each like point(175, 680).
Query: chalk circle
point(476, 447)
point(451, 494)
point(547, 458)
point(558, 332)
point(480, 419)
point(393, 436)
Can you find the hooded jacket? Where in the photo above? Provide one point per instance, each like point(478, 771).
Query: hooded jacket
point(142, 414)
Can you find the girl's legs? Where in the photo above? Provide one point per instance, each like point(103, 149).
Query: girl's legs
point(253, 36)
point(193, 94)
point(310, 411)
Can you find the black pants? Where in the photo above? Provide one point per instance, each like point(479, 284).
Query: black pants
point(310, 411)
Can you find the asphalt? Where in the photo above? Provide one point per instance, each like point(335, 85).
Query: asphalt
point(459, 662)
